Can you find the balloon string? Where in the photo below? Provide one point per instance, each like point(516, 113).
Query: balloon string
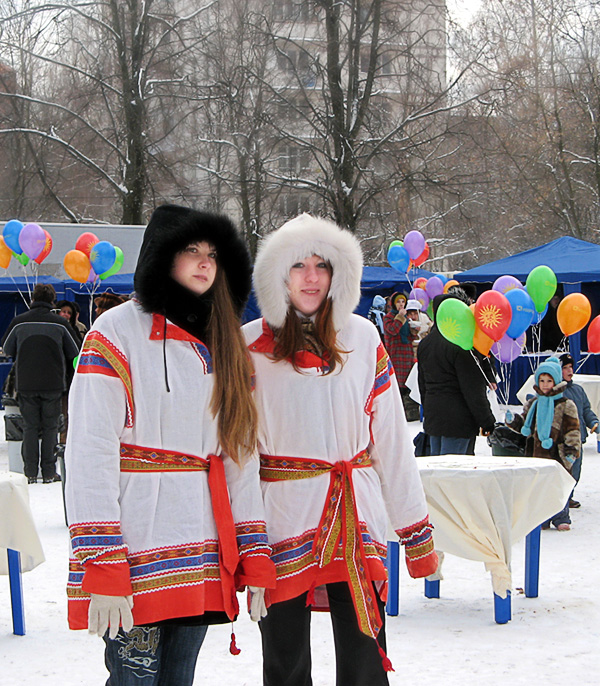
point(582, 362)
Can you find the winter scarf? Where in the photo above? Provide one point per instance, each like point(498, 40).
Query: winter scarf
point(542, 408)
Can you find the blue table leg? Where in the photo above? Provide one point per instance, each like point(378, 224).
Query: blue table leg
point(393, 567)
point(16, 592)
point(432, 589)
point(502, 608)
point(532, 562)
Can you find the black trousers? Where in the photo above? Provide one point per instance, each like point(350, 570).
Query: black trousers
point(285, 635)
point(41, 414)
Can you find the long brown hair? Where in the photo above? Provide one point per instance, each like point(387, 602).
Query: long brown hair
point(289, 339)
point(232, 398)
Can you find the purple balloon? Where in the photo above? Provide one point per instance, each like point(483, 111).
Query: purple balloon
point(434, 286)
point(32, 240)
point(414, 244)
point(91, 276)
point(420, 295)
point(508, 349)
point(506, 283)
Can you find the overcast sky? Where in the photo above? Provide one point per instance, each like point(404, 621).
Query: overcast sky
point(463, 9)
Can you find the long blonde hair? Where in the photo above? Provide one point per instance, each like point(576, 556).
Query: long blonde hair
point(232, 402)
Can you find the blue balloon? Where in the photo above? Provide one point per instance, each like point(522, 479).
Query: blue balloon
point(538, 316)
point(103, 256)
point(444, 279)
point(523, 310)
point(398, 258)
point(10, 233)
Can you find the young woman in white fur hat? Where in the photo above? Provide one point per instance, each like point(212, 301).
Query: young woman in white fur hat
point(336, 457)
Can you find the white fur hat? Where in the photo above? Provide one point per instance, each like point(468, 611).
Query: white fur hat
point(413, 305)
point(297, 239)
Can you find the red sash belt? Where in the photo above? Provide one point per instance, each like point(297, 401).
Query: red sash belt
point(135, 458)
point(339, 525)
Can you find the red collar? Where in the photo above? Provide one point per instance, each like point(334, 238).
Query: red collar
point(265, 343)
point(173, 331)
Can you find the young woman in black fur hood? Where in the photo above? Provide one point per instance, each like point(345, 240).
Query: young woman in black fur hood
point(163, 498)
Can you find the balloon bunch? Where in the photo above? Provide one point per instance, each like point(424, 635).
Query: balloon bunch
point(413, 251)
point(92, 258)
point(24, 242)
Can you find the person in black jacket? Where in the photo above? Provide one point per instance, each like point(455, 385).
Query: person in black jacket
point(453, 394)
point(42, 344)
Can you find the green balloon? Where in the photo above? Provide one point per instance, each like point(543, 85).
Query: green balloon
point(456, 323)
point(541, 286)
point(23, 259)
point(398, 243)
point(117, 264)
point(75, 361)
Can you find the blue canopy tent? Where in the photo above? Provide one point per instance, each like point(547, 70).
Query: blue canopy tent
point(576, 264)
point(14, 295)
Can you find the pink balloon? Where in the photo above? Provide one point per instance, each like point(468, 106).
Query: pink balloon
point(32, 240)
point(506, 283)
point(414, 244)
point(508, 349)
point(420, 295)
point(434, 286)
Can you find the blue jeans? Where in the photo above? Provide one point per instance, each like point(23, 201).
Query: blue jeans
point(153, 655)
point(561, 517)
point(449, 445)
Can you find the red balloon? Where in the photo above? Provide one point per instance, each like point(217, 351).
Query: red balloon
point(86, 242)
point(45, 250)
point(593, 335)
point(422, 257)
point(493, 314)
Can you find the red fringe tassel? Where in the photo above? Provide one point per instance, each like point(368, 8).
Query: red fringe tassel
point(385, 660)
point(233, 649)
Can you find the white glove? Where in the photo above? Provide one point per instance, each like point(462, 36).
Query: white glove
point(110, 611)
point(258, 609)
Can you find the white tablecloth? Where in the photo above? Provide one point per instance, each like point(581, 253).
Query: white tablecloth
point(589, 382)
point(17, 529)
point(481, 505)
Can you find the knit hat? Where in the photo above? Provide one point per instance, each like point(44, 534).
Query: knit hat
point(542, 408)
point(413, 305)
point(297, 239)
point(394, 299)
point(567, 358)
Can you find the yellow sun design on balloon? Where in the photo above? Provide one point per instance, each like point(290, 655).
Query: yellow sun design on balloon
point(490, 316)
point(450, 328)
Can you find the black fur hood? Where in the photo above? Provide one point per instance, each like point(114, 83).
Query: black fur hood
point(171, 229)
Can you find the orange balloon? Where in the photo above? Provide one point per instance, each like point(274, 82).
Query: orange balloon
point(449, 284)
point(5, 254)
point(573, 313)
point(481, 341)
point(421, 282)
point(77, 265)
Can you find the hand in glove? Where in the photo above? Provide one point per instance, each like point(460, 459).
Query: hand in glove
point(258, 609)
point(110, 611)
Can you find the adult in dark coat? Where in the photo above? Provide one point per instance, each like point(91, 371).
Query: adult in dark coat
point(453, 394)
point(43, 345)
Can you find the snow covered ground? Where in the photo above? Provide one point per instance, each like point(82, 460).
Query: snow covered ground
point(551, 640)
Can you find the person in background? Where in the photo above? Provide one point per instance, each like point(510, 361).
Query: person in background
point(106, 301)
point(377, 312)
point(68, 310)
point(331, 430)
point(419, 322)
point(550, 422)
point(587, 417)
point(43, 346)
point(163, 497)
point(453, 387)
point(399, 337)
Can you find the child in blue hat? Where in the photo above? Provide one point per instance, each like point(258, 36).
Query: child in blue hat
point(551, 423)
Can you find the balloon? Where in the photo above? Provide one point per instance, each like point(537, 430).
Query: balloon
point(422, 257)
point(414, 244)
point(86, 242)
point(397, 256)
point(32, 240)
point(449, 284)
point(102, 256)
point(443, 279)
point(399, 243)
point(22, 258)
point(434, 286)
point(421, 282)
point(91, 276)
point(593, 335)
point(541, 285)
point(46, 249)
point(77, 265)
point(116, 266)
point(5, 254)
point(493, 314)
point(456, 322)
point(573, 313)
point(504, 284)
point(538, 316)
point(508, 349)
point(420, 295)
point(523, 310)
point(11, 232)
point(482, 342)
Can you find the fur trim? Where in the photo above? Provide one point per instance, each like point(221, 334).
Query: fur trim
point(172, 228)
point(295, 240)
